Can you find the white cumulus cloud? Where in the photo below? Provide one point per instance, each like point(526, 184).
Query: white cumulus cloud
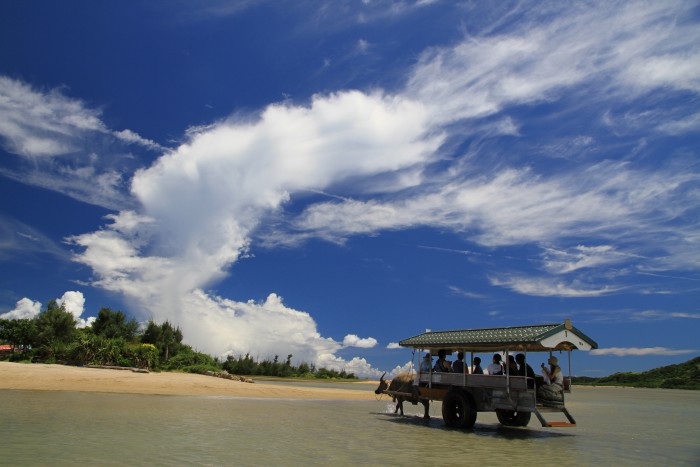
point(201, 202)
point(74, 303)
point(352, 340)
point(24, 309)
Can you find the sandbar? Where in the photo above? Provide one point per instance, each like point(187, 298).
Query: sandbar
point(45, 377)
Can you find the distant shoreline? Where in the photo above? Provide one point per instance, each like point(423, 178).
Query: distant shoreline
point(46, 377)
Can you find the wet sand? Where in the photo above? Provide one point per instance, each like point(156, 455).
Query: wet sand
point(42, 377)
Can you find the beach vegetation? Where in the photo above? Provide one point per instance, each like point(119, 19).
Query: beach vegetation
point(91, 349)
point(188, 358)
point(166, 338)
point(114, 340)
point(200, 369)
point(247, 366)
point(145, 355)
point(19, 333)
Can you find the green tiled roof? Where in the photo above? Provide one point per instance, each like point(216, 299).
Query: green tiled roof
point(515, 338)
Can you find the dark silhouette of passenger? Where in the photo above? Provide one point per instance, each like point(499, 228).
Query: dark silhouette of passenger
point(442, 365)
point(458, 365)
point(525, 370)
point(477, 370)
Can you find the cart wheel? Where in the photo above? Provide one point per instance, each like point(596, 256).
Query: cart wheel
point(513, 418)
point(458, 410)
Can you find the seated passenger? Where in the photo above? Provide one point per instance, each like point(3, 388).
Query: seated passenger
point(495, 368)
point(512, 368)
point(458, 365)
point(442, 365)
point(553, 388)
point(477, 370)
point(426, 364)
point(525, 370)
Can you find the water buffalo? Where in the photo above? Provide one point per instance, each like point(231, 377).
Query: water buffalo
point(403, 382)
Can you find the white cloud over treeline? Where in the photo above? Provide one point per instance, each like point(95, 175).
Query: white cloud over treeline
point(24, 309)
point(72, 301)
point(224, 182)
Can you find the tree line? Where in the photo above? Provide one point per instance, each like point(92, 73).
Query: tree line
point(115, 340)
point(680, 376)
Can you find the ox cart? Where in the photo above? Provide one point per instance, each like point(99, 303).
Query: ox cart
point(512, 397)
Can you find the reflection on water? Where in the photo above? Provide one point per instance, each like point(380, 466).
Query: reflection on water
point(615, 427)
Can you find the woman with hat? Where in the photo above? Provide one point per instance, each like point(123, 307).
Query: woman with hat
point(553, 389)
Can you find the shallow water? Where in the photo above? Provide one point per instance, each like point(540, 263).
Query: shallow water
point(615, 427)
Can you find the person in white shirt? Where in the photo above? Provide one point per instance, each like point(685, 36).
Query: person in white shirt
point(495, 368)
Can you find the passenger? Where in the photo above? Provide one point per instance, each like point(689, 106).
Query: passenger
point(525, 370)
point(553, 389)
point(442, 365)
point(458, 365)
point(512, 366)
point(426, 364)
point(495, 368)
point(477, 370)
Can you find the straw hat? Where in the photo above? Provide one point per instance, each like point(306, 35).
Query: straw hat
point(553, 360)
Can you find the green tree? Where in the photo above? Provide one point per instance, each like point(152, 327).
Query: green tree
point(19, 333)
point(241, 366)
point(113, 324)
point(303, 370)
point(55, 331)
point(168, 340)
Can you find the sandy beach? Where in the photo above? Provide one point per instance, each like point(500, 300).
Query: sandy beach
point(42, 377)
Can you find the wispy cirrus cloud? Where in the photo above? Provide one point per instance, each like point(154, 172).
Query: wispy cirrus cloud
point(43, 124)
point(657, 315)
point(466, 293)
point(518, 207)
point(63, 145)
point(548, 287)
point(581, 257)
point(130, 137)
point(641, 351)
point(538, 58)
point(19, 240)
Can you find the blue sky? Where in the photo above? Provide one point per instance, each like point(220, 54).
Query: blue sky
point(327, 178)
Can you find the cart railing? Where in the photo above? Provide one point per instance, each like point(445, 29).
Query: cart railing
point(477, 381)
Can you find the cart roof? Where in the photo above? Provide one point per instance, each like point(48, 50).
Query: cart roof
point(537, 338)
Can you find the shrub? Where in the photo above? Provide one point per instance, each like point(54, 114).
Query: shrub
point(188, 358)
point(200, 368)
point(143, 355)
